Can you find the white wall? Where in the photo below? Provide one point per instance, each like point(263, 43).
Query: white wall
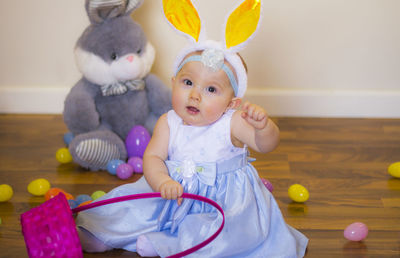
point(309, 58)
point(37, 68)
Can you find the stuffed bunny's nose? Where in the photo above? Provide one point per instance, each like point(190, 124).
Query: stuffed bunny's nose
point(129, 58)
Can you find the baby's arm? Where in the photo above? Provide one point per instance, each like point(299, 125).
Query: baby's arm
point(252, 126)
point(154, 168)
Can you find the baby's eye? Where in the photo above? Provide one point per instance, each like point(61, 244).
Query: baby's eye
point(187, 82)
point(211, 89)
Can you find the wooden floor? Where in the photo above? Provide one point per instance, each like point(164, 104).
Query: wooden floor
point(342, 162)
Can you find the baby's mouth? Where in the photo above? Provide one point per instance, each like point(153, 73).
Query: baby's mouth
point(192, 110)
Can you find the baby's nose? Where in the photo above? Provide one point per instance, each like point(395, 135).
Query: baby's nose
point(194, 94)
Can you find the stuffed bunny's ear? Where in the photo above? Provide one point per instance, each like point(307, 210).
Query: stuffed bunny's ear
point(132, 5)
point(183, 16)
point(241, 24)
point(100, 10)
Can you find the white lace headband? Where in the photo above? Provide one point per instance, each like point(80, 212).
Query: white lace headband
point(240, 27)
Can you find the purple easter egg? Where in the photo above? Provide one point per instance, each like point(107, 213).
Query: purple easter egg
point(124, 171)
point(137, 164)
point(136, 141)
point(267, 184)
point(356, 231)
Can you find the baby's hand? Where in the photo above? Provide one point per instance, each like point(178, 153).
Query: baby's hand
point(255, 115)
point(171, 190)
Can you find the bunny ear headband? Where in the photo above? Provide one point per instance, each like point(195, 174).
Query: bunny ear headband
point(240, 27)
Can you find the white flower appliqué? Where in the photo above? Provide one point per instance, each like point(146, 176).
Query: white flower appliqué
point(188, 168)
point(213, 59)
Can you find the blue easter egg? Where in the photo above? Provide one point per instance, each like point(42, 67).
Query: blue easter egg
point(68, 138)
point(72, 204)
point(83, 198)
point(113, 165)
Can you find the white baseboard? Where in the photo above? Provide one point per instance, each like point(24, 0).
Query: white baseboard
point(328, 103)
point(298, 103)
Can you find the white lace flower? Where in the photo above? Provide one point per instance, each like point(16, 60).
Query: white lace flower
point(188, 168)
point(213, 58)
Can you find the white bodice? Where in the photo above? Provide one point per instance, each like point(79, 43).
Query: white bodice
point(211, 143)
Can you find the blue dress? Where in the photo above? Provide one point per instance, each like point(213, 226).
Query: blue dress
point(206, 163)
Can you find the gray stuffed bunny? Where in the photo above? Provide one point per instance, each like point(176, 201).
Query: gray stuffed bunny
point(116, 91)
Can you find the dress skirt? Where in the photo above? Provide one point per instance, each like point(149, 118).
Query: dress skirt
point(254, 225)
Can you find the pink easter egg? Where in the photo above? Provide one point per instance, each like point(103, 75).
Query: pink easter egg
point(137, 164)
point(124, 171)
point(267, 184)
point(356, 231)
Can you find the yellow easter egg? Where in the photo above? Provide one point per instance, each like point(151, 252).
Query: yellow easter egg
point(97, 194)
point(6, 192)
point(39, 187)
point(394, 169)
point(63, 156)
point(298, 193)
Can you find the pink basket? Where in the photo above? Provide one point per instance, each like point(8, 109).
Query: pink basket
point(50, 231)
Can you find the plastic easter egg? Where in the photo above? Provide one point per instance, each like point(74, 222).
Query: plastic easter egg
point(298, 193)
point(136, 141)
point(83, 198)
point(84, 203)
point(267, 184)
point(6, 192)
point(112, 166)
point(124, 171)
point(63, 156)
point(394, 169)
point(137, 164)
point(68, 196)
point(68, 138)
point(53, 192)
point(72, 204)
point(356, 231)
point(39, 187)
point(97, 194)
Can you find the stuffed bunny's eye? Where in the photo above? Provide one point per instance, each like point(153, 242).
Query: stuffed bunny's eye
point(114, 56)
point(139, 51)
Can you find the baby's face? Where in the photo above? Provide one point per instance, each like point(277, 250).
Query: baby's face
point(199, 95)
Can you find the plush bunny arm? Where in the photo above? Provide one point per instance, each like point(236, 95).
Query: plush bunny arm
point(158, 95)
point(80, 114)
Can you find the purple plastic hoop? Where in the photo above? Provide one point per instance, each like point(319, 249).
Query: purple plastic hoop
point(155, 195)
